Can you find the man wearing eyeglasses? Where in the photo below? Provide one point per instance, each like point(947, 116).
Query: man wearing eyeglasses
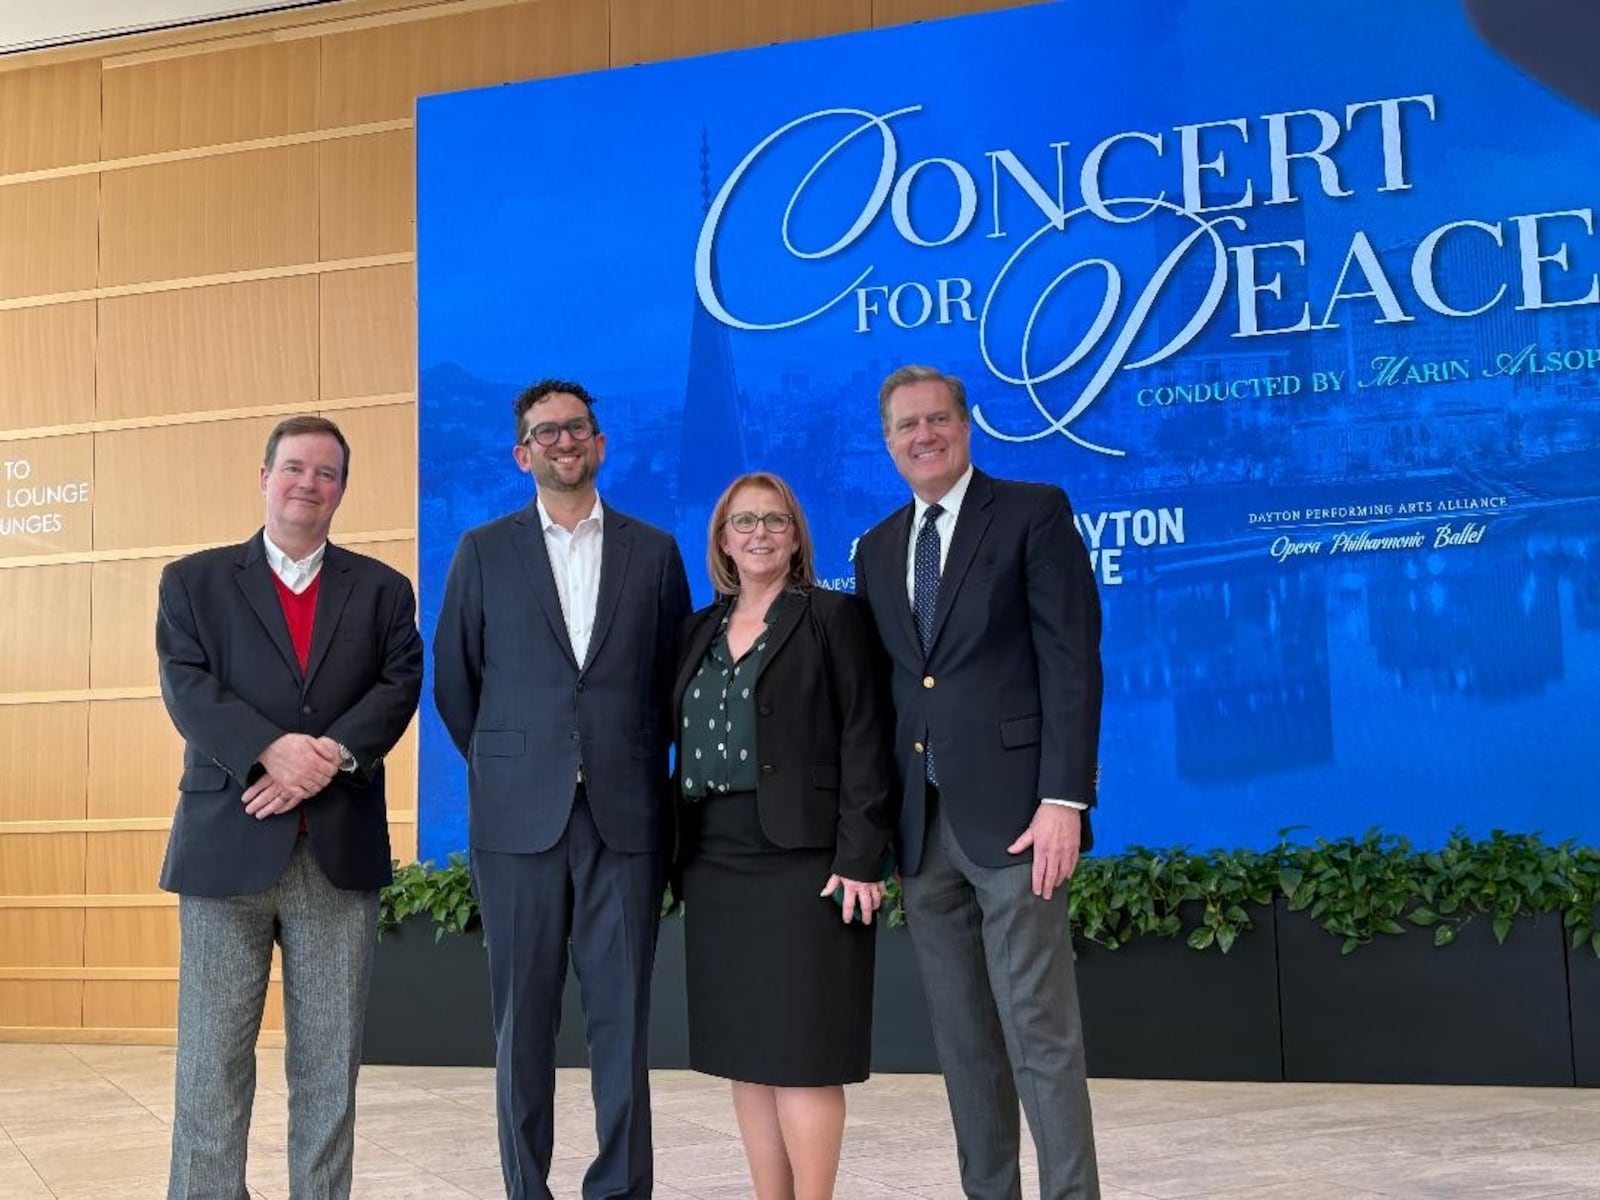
point(553, 665)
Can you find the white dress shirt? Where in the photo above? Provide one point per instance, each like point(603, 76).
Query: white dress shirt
point(296, 576)
point(945, 523)
point(575, 562)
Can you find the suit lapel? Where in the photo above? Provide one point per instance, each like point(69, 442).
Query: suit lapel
point(792, 609)
point(971, 525)
point(536, 560)
point(254, 577)
point(333, 592)
point(694, 652)
point(891, 571)
point(616, 540)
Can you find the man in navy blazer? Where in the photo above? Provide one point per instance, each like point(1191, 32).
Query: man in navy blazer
point(985, 600)
point(291, 667)
point(553, 666)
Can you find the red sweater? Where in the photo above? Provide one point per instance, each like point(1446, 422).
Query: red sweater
point(301, 613)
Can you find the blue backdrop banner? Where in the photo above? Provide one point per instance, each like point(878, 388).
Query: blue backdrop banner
point(1302, 311)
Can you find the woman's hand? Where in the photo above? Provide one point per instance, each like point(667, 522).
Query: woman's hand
point(865, 898)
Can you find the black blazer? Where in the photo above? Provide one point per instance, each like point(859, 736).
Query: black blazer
point(1010, 688)
point(526, 714)
point(232, 686)
point(822, 728)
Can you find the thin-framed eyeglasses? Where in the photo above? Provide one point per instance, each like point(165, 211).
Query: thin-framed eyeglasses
point(548, 433)
point(776, 522)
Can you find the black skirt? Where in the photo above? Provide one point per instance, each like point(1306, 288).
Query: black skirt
point(780, 989)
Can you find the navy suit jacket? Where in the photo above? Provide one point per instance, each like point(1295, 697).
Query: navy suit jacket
point(233, 685)
point(527, 715)
point(1009, 690)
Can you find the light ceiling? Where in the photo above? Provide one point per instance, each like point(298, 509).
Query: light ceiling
point(30, 24)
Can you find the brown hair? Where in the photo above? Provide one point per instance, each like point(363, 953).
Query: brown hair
point(802, 565)
point(918, 374)
point(295, 427)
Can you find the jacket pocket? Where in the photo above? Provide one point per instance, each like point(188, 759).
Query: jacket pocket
point(825, 777)
point(498, 743)
point(203, 778)
point(1019, 731)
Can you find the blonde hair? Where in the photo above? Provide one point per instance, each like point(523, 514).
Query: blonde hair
point(802, 565)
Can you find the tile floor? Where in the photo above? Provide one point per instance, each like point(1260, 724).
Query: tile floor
point(86, 1122)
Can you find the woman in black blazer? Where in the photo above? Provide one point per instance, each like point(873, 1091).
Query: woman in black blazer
point(784, 795)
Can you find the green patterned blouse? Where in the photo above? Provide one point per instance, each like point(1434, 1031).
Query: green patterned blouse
point(719, 716)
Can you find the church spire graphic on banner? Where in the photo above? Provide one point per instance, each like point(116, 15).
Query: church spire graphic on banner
point(713, 449)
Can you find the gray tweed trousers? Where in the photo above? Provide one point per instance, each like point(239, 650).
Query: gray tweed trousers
point(327, 935)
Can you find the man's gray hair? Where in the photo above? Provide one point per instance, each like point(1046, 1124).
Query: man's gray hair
point(919, 374)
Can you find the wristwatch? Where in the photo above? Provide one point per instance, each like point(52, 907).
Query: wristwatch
point(347, 761)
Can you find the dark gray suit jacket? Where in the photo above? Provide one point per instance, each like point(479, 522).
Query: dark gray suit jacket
point(1009, 691)
point(523, 710)
point(232, 686)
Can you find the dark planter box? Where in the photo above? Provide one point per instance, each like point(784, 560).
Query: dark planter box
point(902, 1038)
point(430, 1002)
point(1155, 1009)
point(1583, 983)
point(1400, 1010)
point(429, 1005)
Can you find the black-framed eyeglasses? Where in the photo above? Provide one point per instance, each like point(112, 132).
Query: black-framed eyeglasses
point(548, 433)
point(776, 522)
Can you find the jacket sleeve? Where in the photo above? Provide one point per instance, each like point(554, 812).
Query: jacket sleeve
point(373, 724)
point(1064, 614)
point(458, 646)
point(212, 718)
point(672, 619)
point(855, 670)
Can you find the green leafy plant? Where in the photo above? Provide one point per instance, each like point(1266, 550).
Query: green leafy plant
point(443, 893)
point(1165, 893)
point(1355, 888)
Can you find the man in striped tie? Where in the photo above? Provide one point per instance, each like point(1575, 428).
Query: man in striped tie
point(985, 600)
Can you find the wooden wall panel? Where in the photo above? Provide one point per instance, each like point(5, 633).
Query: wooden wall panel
point(51, 116)
point(375, 74)
point(46, 1002)
point(383, 460)
point(41, 864)
point(122, 608)
point(369, 332)
point(242, 345)
point(208, 477)
point(130, 1004)
point(903, 12)
point(135, 759)
point(130, 937)
point(650, 30)
point(57, 254)
point(48, 354)
point(402, 556)
point(41, 937)
point(203, 216)
point(123, 863)
point(256, 91)
point(46, 496)
point(367, 195)
point(43, 763)
point(44, 643)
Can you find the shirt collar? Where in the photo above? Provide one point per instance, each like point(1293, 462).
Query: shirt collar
point(549, 523)
point(950, 501)
point(282, 564)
